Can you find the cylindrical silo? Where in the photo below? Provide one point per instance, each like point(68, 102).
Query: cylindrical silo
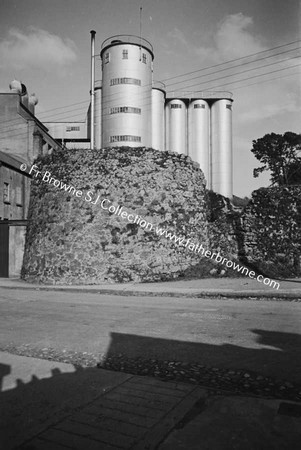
point(176, 126)
point(221, 147)
point(158, 101)
point(97, 117)
point(199, 135)
point(126, 91)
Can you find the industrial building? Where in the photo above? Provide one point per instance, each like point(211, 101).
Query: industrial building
point(130, 109)
point(21, 133)
point(22, 138)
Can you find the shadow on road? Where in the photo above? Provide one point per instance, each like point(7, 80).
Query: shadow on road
point(280, 358)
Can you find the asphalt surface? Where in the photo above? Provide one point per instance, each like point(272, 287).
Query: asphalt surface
point(260, 336)
point(248, 346)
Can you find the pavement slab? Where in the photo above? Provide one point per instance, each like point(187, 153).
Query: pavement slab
point(238, 423)
point(114, 421)
point(36, 393)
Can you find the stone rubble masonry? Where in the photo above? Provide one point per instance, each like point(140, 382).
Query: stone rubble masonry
point(71, 241)
point(272, 230)
point(223, 226)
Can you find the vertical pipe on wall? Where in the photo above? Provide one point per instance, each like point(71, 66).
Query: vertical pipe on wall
point(98, 142)
point(92, 86)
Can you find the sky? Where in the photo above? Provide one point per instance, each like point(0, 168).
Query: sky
point(46, 45)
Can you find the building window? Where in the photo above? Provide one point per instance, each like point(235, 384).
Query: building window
point(125, 80)
point(128, 138)
point(19, 196)
point(6, 193)
point(125, 54)
point(125, 109)
point(144, 58)
point(107, 57)
point(175, 106)
point(229, 107)
point(199, 105)
point(69, 128)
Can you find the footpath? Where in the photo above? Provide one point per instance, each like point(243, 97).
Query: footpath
point(47, 405)
point(243, 287)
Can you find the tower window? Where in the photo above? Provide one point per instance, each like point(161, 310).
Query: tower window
point(175, 106)
point(107, 57)
point(125, 54)
point(144, 58)
point(122, 138)
point(229, 107)
point(6, 193)
point(125, 109)
point(199, 105)
point(69, 128)
point(125, 81)
point(18, 196)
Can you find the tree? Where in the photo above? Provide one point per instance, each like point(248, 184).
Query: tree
point(281, 154)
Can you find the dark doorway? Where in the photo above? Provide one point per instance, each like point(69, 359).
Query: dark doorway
point(4, 249)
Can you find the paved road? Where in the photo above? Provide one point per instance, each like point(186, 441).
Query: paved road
point(264, 336)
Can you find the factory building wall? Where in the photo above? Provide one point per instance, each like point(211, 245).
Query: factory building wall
point(14, 201)
point(14, 193)
point(16, 133)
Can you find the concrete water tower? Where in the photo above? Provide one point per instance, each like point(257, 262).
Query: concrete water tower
point(127, 63)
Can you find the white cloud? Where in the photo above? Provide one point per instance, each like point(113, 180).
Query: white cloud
point(37, 48)
point(178, 35)
point(232, 39)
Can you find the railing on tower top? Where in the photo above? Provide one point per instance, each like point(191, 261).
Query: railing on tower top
point(127, 39)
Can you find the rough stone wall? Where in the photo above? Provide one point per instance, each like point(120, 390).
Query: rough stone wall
point(272, 227)
point(224, 231)
point(71, 240)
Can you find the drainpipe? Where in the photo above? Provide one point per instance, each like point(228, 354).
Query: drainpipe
point(92, 88)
